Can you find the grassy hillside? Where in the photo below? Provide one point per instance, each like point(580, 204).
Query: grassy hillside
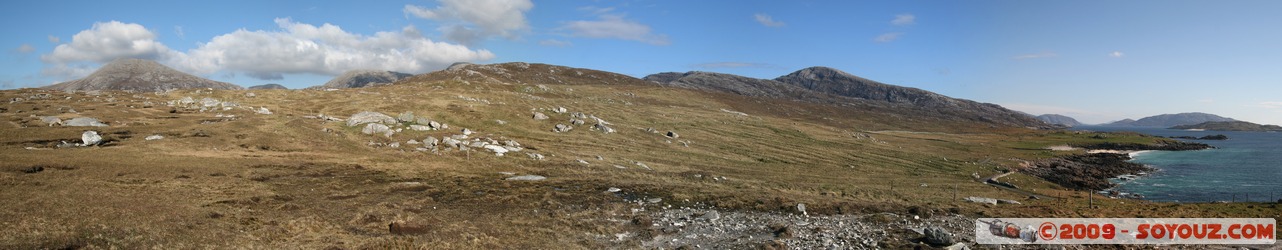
point(287, 179)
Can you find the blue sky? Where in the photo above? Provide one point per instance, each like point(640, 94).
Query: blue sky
point(1094, 60)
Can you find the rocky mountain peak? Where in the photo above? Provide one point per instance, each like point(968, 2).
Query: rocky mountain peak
point(139, 75)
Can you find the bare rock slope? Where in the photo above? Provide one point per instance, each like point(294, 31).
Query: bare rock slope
point(363, 78)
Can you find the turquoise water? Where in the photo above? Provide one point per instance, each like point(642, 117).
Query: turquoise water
point(1248, 165)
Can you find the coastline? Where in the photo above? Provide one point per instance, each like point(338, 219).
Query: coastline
point(1093, 169)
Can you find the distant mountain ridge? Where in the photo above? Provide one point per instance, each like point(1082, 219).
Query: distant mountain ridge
point(363, 78)
point(1230, 126)
point(268, 86)
point(1059, 119)
point(828, 85)
point(1170, 120)
point(139, 75)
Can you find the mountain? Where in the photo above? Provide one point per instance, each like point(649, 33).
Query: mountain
point(363, 78)
point(1059, 119)
point(139, 75)
point(1230, 126)
point(268, 86)
point(827, 85)
point(1170, 120)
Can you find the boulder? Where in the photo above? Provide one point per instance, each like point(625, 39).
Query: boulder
point(561, 128)
point(540, 116)
point(405, 117)
point(603, 128)
point(417, 127)
point(369, 117)
point(51, 120)
point(467, 131)
point(83, 122)
point(535, 156)
point(435, 125)
point(90, 138)
point(377, 128)
point(560, 110)
point(430, 141)
point(672, 135)
point(577, 122)
point(527, 178)
point(498, 150)
point(937, 236)
point(263, 110)
point(154, 137)
point(982, 200)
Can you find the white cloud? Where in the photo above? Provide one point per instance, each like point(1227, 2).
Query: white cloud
point(1116, 54)
point(615, 27)
point(468, 21)
point(326, 50)
point(904, 20)
point(25, 48)
point(888, 37)
point(295, 48)
point(1035, 56)
point(767, 20)
point(54, 39)
point(109, 41)
point(555, 43)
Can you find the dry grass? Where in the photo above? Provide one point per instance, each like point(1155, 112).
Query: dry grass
point(285, 181)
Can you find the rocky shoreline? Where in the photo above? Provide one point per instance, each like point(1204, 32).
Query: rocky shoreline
point(1091, 172)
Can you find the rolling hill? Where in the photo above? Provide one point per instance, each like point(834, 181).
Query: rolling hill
point(139, 75)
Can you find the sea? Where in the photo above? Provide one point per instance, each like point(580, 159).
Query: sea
point(1246, 167)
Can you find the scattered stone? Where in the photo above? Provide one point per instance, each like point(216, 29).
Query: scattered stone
point(250, 94)
point(654, 200)
point(603, 128)
point(435, 125)
point(577, 122)
point(500, 122)
point(581, 161)
point(801, 207)
point(413, 142)
point(154, 137)
point(498, 150)
point(1002, 201)
point(672, 135)
point(377, 128)
point(559, 128)
point(613, 190)
point(369, 117)
point(560, 110)
point(430, 141)
point(51, 120)
point(937, 236)
point(83, 122)
point(982, 200)
point(467, 131)
point(263, 110)
point(535, 156)
point(417, 127)
point(90, 138)
point(540, 116)
point(642, 165)
point(711, 215)
point(526, 178)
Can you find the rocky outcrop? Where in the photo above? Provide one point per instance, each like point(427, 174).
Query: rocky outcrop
point(1086, 171)
point(139, 75)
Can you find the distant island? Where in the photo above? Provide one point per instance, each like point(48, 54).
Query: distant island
point(1209, 137)
point(1230, 126)
point(1059, 119)
point(1168, 120)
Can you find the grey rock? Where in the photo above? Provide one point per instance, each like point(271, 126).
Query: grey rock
point(51, 120)
point(560, 110)
point(417, 127)
point(83, 122)
point(938, 236)
point(603, 128)
point(581, 161)
point(405, 117)
point(90, 138)
point(1003, 201)
point(154, 137)
point(435, 125)
point(498, 150)
point(535, 156)
point(467, 131)
point(527, 178)
point(376, 128)
point(576, 122)
point(263, 110)
point(561, 128)
point(672, 135)
point(982, 200)
point(540, 116)
point(369, 117)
